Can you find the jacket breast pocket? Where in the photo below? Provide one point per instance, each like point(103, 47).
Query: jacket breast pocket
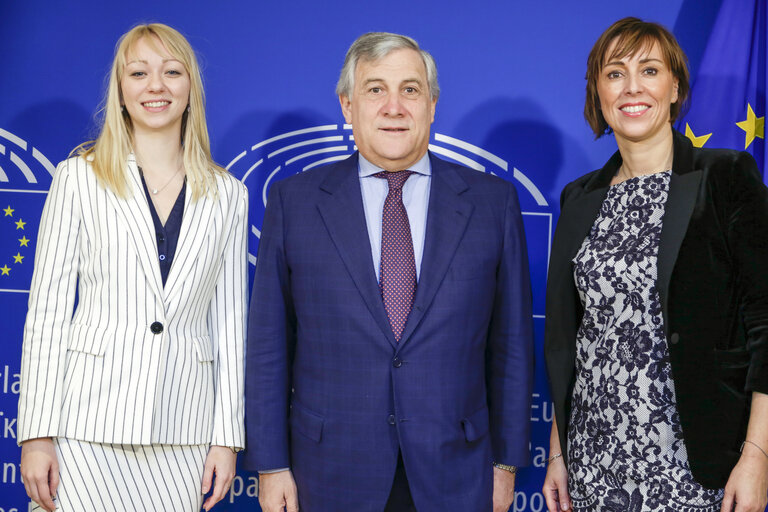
point(466, 273)
point(471, 269)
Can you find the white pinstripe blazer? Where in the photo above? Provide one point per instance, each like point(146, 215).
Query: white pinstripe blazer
point(102, 374)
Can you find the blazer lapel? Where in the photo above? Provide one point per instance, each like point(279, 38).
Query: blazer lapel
point(582, 208)
point(195, 225)
point(683, 191)
point(342, 212)
point(134, 212)
point(447, 217)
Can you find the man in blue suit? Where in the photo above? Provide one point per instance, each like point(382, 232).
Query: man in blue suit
point(390, 352)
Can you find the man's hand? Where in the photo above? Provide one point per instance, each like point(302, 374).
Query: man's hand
point(221, 463)
point(747, 487)
point(503, 489)
point(40, 471)
point(277, 492)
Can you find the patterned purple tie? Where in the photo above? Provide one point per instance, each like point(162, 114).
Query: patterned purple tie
point(397, 277)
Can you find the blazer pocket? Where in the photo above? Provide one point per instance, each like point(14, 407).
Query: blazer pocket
point(203, 347)
point(88, 339)
point(307, 423)
point(732, 370)
point(476, 425)
point(733, 359)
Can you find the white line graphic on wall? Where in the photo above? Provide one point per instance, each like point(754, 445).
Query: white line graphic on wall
point(25, 174)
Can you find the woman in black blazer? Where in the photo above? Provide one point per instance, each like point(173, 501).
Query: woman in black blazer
point(657, 304)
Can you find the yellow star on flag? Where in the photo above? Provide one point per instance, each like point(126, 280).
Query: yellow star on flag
point(753, 126)
point(5, 270)
point(698, 142)
point(18, 258)
point(20, 224)
point(23, 241)
point(9, 211)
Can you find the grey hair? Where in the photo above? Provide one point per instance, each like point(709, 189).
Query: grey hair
point(376, 45)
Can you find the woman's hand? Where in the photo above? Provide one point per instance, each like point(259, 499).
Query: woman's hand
point(556, 486)
point(40, 471)
point(747, 487)
point(221, 463)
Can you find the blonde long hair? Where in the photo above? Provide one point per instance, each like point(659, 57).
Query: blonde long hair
point(109, 152)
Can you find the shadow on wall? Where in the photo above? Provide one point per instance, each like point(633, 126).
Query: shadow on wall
point(692, 28)
point(518, 130)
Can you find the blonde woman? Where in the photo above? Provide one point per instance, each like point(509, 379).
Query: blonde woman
point(133, 399)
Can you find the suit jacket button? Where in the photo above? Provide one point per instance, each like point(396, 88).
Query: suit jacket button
point(391, 419)
point(156, 327)
point(674, 339)
point(397, 362)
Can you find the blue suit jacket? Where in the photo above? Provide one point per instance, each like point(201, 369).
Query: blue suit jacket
point(330, 392)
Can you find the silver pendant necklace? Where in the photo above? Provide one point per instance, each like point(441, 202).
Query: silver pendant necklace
point(156, 191)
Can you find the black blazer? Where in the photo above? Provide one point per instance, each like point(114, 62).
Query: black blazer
point(713, 285)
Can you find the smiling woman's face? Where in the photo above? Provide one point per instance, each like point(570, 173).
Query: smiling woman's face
point(155, 87)
point(636, 92)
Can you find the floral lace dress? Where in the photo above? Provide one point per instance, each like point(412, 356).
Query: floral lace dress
point(625, 444)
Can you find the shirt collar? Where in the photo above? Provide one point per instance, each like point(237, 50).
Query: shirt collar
point(366, 168)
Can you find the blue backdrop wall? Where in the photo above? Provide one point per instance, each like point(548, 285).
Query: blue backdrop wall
point(512, 76)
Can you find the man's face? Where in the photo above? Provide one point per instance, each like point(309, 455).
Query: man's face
point(390, 109)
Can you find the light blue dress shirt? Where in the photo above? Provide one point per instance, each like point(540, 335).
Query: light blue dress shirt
point(415, 199)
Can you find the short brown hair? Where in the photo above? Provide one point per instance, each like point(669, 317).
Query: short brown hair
point(633, 35)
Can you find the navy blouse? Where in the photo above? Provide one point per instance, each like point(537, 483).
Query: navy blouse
point(167, 235)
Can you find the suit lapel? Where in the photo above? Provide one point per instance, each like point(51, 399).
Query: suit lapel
point(134, 212)
point(341, 209)
point(580, 211)
point(683, 191)
point(195, 225)
point(577, 219)
point(447, 217)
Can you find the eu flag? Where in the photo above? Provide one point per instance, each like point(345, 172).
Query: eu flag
point(728, 93)
point(25, 175)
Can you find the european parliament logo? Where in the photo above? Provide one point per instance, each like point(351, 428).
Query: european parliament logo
point(300, 150)
point(25, 175)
